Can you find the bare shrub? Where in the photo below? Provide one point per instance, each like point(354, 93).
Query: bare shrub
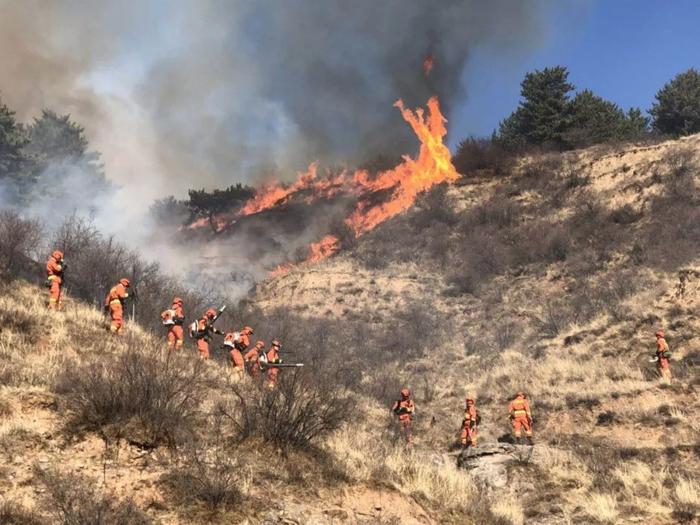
point(499, 211)
point(14, 513)
point(434, 206)
point(506, 334)
point(95, 262)
point(298, 411)
point(74, 500)
point(474, 154)
point(19, 238)
point(148, 399)
point(462, 282)
point(555, 318)
point(204, 470)
point(625, 215)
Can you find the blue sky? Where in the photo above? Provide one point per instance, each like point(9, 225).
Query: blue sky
point(623, 50)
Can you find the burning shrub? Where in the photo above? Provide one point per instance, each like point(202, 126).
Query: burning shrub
point(74, 499)
point(149, 399)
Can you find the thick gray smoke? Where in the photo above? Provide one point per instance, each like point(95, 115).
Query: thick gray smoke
point(180, 94)
point(177, 94)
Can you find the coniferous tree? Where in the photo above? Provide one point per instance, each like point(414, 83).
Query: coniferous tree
point(677, 107)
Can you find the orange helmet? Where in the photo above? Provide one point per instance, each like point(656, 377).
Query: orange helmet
point(276, 343)
point(124, 281)
point(177, 300)
point(248, 330)
point(405, 393)
point(58, 255)
point(469, 400)
point(211, 313)
point(259, 344)
point(660, 333)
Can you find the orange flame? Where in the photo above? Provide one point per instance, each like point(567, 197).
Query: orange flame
point(413, 176)
point(432, 165)
point(323, 248)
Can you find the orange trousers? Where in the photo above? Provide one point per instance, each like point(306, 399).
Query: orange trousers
point(406, 428)
point(272, 374)
point(468, 435)
point(254, 370)
point(55, 294)
point(664, 368)
point(176, 337)
point(116, 312)
point(203, 348)
point(237, 360)
point(519, 423)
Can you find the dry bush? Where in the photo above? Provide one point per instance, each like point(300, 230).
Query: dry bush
point(14, 513)
point(555, 318)
point(475, 154)
point(74, 500)
point(434, 206)
point(150, 399)
point(205, 471)
point(302, 408)
point(96, 262)
point(19, 238)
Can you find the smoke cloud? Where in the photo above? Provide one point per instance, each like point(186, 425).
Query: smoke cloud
point(177, 94)
point(203, 93)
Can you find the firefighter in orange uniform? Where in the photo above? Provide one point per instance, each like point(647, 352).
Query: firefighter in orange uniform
point(272, 358)
point(663, 355)
point(237, 343)
point(54, 279)
point(251, 358)
point(114, 301)
point(174, 318)
point(521, 417)
point(469, 424)
point(204, 330)
point(404, 408)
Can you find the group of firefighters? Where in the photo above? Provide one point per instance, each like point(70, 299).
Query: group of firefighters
point(258, 362)
point(518, 412)
point(253, 359)
point(518, 409)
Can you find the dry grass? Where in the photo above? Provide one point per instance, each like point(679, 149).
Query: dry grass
point(364, 458)
point(509, 509)
point(687, 492)
point(602, 507)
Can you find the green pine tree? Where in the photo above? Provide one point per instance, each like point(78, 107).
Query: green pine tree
point(543, 115)
point(12, 158)
point(677, 107)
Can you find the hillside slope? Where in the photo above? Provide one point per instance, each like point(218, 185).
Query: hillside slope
point(616, 242)
point(552, 280)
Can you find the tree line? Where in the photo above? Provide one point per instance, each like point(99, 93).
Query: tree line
point(551, 116)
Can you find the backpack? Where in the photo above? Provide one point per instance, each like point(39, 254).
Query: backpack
point(478, 418)
point(194, 332)
point(231, 342)
point(168, 317)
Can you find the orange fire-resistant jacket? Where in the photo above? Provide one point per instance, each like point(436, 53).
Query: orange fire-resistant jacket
point(519, 407)
point(117, 294)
